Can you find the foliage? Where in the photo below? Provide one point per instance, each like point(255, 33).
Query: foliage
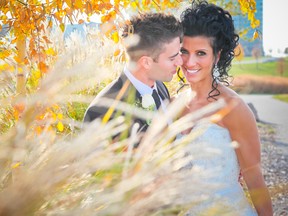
point(249, 8)
point(31, 21)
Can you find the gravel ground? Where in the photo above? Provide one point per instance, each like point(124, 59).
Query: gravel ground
point(275, 168)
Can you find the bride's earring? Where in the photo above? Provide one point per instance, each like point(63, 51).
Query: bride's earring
point(216, 72)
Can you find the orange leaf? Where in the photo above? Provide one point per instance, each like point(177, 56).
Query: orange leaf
point(41, 117)
point(14, 40)
point(117, 52)
point(255, 35)
point(45, 38)
point(38, 129)
point(19, 107)
point(17, 59)
point(50, 24)
point(105, 18)
point(80, 21)
point(43, 67)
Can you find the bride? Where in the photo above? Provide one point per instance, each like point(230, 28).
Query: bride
point(207, 51)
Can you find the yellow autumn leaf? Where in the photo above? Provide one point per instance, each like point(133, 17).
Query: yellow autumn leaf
point(115, 37)
point(6, 67)
point(78, 4)
point(37, 74)
point(62, 27)
point(255, 35)
point(256, 23)
point(40, 117)
point(60, 126)
point(134, 5)
point(50, 24)
point(20, 70)
point(69, 3)
point(60, 116)
point(239, 52)
point(105, 18)
point(54, 116)
point(113, 14)
point(4, 53)
point(50, 52)
point(16, 165)
point(146, 2)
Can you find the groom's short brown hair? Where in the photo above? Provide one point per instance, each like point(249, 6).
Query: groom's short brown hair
point(153, 31)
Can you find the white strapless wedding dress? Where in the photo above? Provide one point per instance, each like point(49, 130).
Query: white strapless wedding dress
point(218, 166)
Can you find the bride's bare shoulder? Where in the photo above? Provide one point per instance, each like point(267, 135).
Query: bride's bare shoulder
point(229, 94)
point(237, 106)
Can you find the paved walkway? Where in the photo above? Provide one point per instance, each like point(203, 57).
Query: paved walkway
point(273, 112)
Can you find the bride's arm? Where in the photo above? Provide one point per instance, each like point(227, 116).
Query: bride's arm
point(243, 129)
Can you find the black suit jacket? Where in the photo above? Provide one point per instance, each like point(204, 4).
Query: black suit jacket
point(131, 95)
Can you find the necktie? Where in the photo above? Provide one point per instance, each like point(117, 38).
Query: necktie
point(156, 98)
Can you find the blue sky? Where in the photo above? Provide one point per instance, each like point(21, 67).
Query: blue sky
point(275, 27)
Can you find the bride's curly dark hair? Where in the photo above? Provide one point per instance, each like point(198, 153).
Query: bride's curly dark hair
point(209, 20)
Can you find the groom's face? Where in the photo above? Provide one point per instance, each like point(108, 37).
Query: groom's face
point(164, 68)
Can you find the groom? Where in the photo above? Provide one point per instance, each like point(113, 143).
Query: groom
point(152, 43)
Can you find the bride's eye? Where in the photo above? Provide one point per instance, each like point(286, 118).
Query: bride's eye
point(201, 53)
point(183, 51)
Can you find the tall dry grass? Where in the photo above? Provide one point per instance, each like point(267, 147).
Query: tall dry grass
point(251, 84)
point(46, 171)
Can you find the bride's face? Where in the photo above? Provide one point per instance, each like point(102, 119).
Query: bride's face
point(198, 58)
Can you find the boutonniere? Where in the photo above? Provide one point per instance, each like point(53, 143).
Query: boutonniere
point(147, 103)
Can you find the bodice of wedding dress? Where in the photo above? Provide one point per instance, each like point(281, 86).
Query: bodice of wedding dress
point(211, 155)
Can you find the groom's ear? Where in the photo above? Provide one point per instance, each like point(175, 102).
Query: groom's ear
point(145, 62)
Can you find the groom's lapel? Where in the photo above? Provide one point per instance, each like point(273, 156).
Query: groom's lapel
point(136, 96)
point(162, 91)
point(130, 89)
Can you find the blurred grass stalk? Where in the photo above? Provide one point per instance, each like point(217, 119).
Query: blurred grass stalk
point(78, 171)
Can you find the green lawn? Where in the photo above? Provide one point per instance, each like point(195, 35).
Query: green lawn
point(282, 97)
point(262, 69)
